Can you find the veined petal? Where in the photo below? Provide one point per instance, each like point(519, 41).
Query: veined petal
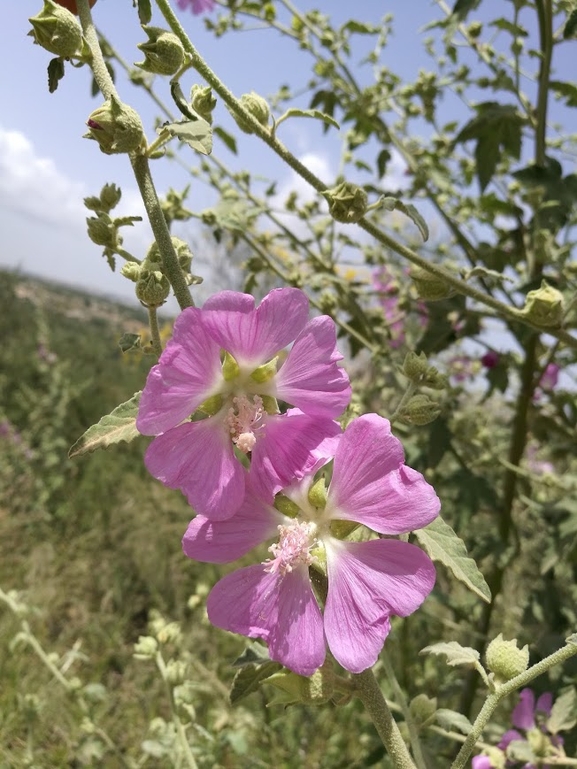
point(280, 609)
point(523, 715)
point(371, 485)
point(187, 373)
point(369, 581)
point(254, 336)
point(224, 541)
point(310, 378)
point(198, 459)
point(293, 445)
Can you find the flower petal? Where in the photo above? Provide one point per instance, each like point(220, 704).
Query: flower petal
point(371, 485)
point(293, 445)
point(187, 373)
point(481, 762)
point(254, 336)
point(198, 459)
point(310, 378)
point(280, 609)
point(369, 581)
point(225, 541)
point(523, 715)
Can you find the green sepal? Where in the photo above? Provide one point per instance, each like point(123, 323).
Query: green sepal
point(318, 494)
point(212, 405)
point(230, 368)
point(286, 506)
point(270, 404)
point(265, 372)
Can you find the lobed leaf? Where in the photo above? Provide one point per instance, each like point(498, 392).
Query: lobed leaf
point(119, 425)
point(196, 133)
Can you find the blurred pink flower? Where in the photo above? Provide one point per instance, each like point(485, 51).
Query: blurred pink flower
point(490, 359)
point(368, 581)
point(550, 377)
point(196, 6)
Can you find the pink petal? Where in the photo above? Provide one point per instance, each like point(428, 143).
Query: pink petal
point(481, 762)
point(371, 485)
point(188, 372)
point(544, 704)
point(198, 459)
point(293, 445)
point(310, 378)
point(508, 737)
point(523, 715)
point(282, 610)
point(255, 336)
point(369, 581)
point(224, 541)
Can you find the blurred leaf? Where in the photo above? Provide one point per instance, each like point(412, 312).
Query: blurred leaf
point(196, 133)
point(119, 425)
point(250, 677)
point(55, 73)
point(130, 341)
point(564, 712)
point(455, 654)
point(382, 160)
point(314, 113)
point(360, 28)
point(462, 8)
point(391, 203)
point(450, 719)
point(442, 544)
point(439, 442)
point(226, 138)
point(570, 30)
point(567, 90)
point(144, 11)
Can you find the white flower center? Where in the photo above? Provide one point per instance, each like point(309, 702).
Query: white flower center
point(293, 548)
point(245, 422)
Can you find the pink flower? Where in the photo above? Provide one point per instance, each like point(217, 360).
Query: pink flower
point(221, 366)
point(527, 711)
point(196, 6)
point(490, 359)
point(368, 581)
point(550, 377)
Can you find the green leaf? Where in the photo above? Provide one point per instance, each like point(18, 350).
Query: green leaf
point(196, 133)
point(144, 11)
point(450, 719)
point(462, 8)
point(55, 73)
point(119, 425)
point(564, 712)
point(456, 654)
point(391, 203)
point(226, 138)
point(360, 28)
point(130, 341)
point(487, 155)
point(314, 113)
point(568, 91)
point(442, 544)
point(570, 30)
point(382, 160)
point(255, 667)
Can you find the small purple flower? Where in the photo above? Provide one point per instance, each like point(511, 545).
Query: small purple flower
point(462, 367)
point(550, 377)
point(527, 711)
point(490, 359)
point(196, 6)
point(368, 581)
point(221, 366)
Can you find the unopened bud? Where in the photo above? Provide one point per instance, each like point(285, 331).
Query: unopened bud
point(131, 270)
point(420, 410)
point(415, 366)
point(316, 690)
point(56, 29)
point(348, 202)
point(258, 108)
point(175, 672)
point(101, 230)
point(430, 287)
point(145, 648)
point(116, 127)
point(505, 659)
point(544, 306)
point(183, 254)
point(152, 288)
point(203, 101)
point(163, 53)
point(110, 196)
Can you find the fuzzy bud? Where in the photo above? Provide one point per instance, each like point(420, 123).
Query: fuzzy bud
point(145, 648)
point(153, 288)
point(505, 660)
point(202, 101)
point(110, 196)
point(131, 270)
point(258, 108)
point(420, 410)
point(116, 127)
point(175, 672)
point(348, 203)
point(163, 53)
point(430, 287)
point(57, 30)
point(544, 306)
point(415, 366)
point(183, 253)
point(101, 230)
point(316, 690)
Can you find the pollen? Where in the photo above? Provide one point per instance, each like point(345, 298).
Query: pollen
point(245, 421)
point(293, 548)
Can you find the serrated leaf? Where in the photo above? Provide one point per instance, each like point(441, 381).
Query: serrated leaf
point(442, 544)
point(55, 73)
point(119, 425)
point(314, 113)
point(450, 719)
point(455, 653)
point(196, 133)
point(226, 138)
point(570, 29)
point(249, 679)
point(563, 713)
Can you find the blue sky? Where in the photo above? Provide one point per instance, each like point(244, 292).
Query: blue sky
point(46, 167)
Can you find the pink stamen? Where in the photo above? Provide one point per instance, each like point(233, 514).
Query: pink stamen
point(293, 548)
point(245, 421)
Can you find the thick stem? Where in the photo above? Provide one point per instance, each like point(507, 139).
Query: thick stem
point(154, 331)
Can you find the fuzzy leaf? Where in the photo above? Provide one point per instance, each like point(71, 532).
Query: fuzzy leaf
point(442, 544)
point(250, 677)
point(119, 425)
point(391, 203)
point(196, 133)
point(226, 138)
point(564, 712)
point(455, 653)
point(314, 113)
point(130, 341)
point(450, 719)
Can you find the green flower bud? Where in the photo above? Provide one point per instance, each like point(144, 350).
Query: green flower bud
point(415, 366)
point(544, 306)
point(56, 29)
point(175, 672)
point(110, 196)
point(101, 230)
point(423, 709)
point(131, 270)
point(430, 287)
point(152, 288)
point(183, 254)
point(170, 632)
point(145, 648)
point(348, 203)
point(316, 690)
point(505, 659)
point(163, 53)
point(116, 127)
point(202, 101)
point(258, 108)
point(420, 410)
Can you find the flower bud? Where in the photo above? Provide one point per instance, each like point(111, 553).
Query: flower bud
point(423, 709)
point(57, 30)
point(131, 270)
point(163, 53)
point(544, 306)
point(430, 287)
point(415, 366)
point(184, 255)
point(316, 690)
point(116, 127)
point(258, 108)
point(145, 648)
point(110, 196)
point(175, 672)
point(152, 288)
point(348, 203)
point(420, 410)
point(505, 659)
point(101, 230)
point(202, 101)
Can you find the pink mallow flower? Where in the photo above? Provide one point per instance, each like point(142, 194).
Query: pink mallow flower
point(222, 366)
point(368, 581)
point(196, 6)
point(550, 377)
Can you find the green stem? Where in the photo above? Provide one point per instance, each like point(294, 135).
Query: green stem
point(371, 696)
point(154, 331)
point(511, 686)
point(180, 731)
point(545, 17)
point(409, 392)
point(139, 165)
